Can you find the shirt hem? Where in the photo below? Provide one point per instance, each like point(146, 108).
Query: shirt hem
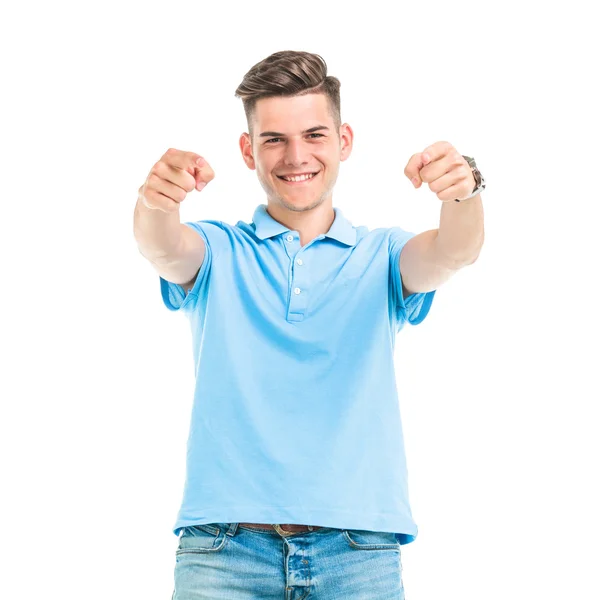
point(404, 528)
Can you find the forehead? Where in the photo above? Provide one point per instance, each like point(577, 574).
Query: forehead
point(287, 114)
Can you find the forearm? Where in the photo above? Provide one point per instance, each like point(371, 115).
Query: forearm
point(460, 234)
point(157, 233)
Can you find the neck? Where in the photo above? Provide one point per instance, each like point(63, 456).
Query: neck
point(308, 223)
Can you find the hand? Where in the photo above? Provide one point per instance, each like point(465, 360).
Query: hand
point(440, 165)
point(172, 177)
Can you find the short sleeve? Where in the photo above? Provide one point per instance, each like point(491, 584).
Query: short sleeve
point(415, 308)
point(173, 295)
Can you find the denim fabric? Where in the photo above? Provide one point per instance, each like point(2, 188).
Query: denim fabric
point(226, 561)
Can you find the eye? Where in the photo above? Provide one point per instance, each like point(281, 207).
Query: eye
point(274, 139)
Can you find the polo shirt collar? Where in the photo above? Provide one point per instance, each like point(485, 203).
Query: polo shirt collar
point(266, 226)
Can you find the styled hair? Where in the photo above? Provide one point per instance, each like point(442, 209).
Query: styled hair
point(289, 73)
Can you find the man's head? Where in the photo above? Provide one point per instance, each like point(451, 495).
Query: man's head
point(293, 112)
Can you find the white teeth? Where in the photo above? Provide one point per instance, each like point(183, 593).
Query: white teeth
point(300, 177)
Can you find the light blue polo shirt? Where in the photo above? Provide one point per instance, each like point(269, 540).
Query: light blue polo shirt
point(295, 417)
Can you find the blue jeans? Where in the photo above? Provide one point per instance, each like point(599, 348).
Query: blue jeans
point(232, 562)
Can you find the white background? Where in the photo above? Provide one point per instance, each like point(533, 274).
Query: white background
point(499, 385)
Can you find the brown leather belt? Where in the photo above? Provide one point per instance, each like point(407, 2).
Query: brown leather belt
point(283, 529)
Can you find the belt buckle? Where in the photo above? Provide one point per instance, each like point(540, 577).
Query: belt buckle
point(283, 532)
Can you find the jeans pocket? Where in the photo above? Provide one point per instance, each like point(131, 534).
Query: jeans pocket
point(202, 539)
point(362, 539)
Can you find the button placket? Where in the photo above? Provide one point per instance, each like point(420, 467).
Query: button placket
point(298, 290)
point(299, 280)
point(299, 295)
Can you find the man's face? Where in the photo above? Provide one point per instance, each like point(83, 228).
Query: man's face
point(306, 143)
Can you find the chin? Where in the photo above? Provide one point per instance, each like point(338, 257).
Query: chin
point(303, 203)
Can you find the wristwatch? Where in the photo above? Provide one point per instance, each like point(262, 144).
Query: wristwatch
point(479, 180)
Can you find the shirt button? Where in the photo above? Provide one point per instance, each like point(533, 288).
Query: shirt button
point(289, 238)
point(299, 261)
point(296, 290)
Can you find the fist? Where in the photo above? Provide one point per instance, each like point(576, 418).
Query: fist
point(447, 172)
point(171, 179)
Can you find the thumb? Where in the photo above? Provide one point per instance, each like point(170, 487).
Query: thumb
point(413, 168)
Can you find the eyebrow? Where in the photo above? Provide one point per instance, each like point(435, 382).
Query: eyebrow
point(276, 134)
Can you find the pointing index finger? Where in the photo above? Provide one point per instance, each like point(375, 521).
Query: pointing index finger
point(192, 163)
point(182, 160)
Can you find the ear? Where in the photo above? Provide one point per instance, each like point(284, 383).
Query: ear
point(346, 140)
point(247, 153)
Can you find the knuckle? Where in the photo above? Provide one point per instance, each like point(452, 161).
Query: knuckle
point(189, 184)
point(159, 168)
point(147, 199)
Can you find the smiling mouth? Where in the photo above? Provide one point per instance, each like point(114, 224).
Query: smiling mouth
point(299, 180)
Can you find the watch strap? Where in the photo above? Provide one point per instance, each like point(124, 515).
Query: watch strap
point(479, 180)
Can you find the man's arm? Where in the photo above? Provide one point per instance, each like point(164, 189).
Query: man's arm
point(174, 249)
point(430, 258)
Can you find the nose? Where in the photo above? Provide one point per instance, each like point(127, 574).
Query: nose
point(295, 153)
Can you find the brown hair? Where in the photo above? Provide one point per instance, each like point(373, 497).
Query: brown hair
point(289, 73)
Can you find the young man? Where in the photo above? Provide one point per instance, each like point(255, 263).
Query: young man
point(296, 474)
